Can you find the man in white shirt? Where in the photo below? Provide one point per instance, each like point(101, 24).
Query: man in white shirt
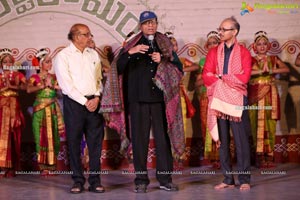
point(78, 72)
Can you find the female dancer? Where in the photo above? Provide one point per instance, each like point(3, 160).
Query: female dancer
point(47, 120)
point(11, 117)
point(210, 147)
point(264, 99)
point(188, 109)
point(188, 66)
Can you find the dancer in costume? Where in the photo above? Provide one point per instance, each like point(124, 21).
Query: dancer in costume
point(264, 99)
point(211, 154)
point(188, 110)
point(47, 122)
point(11, 117)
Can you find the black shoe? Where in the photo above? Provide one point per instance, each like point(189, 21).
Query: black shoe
point(76, 188)
point(141, 188)
point(169, 187)
point(97, 188)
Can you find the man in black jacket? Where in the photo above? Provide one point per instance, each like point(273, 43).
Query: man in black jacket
point(138, 61)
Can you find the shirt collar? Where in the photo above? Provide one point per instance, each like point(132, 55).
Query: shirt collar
point(228, 48)
point(75, 49)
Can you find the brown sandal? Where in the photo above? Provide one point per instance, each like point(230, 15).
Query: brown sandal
point(224, 186)
point(96, 188)
point(76, 188)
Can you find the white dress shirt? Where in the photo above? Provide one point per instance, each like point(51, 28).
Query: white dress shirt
point(78, 73)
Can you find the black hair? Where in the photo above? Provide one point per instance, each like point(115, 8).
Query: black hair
point(70, 36)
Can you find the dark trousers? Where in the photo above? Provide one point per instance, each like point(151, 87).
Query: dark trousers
point(241, 132)
point(79, 121)
point(143, 116)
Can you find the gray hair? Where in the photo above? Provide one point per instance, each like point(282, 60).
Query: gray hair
point(235, 23)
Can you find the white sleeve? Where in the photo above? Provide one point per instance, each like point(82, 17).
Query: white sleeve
point(62, 72)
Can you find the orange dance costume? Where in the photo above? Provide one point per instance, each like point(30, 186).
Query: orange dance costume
point(11, 117)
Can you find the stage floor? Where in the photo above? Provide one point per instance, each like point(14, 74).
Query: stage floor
point(194, 183)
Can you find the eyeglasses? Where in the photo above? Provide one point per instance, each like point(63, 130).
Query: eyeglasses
point(87, 34)
point(152, 22)
point(224, 29)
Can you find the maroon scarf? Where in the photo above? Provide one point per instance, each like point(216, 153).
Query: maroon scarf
point(167, 78)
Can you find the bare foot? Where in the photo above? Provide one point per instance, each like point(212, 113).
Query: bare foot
point(223, 186)
point(44, 173)
point(245, 187)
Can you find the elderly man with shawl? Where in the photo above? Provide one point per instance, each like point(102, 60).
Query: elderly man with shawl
point(151, 74)
point(226, 73)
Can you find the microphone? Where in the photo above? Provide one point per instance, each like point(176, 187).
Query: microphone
point(151, 38)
